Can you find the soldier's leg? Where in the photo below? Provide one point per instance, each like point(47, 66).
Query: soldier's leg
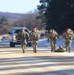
point(69, 49)
point(34, 48)
point(23, 48)
point(69, 46)
point(35, 45)
point(66, 46)
point(52, 46)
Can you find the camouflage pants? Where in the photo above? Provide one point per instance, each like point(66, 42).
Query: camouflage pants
point(34, 45)
point(53, 46)
point(23, 47)
point(68, 46)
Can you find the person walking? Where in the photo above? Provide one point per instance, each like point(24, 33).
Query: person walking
point(67, 35)
point(52, 35)
point(23, 35)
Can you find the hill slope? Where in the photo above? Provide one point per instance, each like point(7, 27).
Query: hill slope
point(11, 16)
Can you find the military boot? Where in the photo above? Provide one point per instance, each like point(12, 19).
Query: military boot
point(23, 51)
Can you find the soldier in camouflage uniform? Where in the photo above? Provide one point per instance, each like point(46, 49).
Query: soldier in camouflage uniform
point(52, 35)
point(23, 35)
point(34, 37)
point(67, 35)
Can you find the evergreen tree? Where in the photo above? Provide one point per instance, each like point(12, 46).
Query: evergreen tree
point(4, 25)
point(59, 14)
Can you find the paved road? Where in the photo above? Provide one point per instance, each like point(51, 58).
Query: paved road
point(14, 62)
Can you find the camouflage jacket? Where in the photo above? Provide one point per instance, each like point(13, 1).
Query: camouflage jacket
point(52, 37)
point(67, 36)
point(23, 36)
point(34, 36)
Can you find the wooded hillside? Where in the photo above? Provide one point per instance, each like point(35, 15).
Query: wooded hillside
point(29, 20)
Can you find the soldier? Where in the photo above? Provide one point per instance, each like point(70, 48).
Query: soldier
point(67, 35)
point(23, 35)
point(34, 37)
point(52, 35)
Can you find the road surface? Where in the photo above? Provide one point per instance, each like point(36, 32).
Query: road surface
point(14, 62)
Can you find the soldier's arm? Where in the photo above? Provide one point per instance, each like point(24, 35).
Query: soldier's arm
point(27, 35)
point(57, 35)
point(48, 39)
point(39, 35)
point(18, 36)
point(30, 36)
point(63, 35)
point(72, 33)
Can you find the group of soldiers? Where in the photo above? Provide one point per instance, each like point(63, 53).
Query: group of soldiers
point(67, 35)
point(24, 36)
point(52, 37)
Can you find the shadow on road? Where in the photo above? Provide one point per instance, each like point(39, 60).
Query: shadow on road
point(36, 62)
